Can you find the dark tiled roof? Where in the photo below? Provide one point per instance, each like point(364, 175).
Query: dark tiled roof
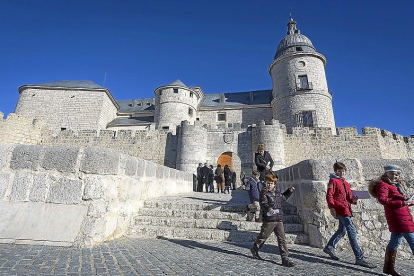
point(136, 105)
point(71, 84)
point(237, 98)
point(131, 121)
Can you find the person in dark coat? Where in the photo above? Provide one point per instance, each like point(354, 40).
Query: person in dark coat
point(199, 179)
point(227, 178)
point(233, 179)
point(205, 171)
point(211, 179)
point(254, 195)
point(271, 208)
point(263, 161)
point(218, 177)
point(390, 193)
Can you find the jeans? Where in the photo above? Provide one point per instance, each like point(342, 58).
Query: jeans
point(396, 240)
point(211, 187)
point(346, 226)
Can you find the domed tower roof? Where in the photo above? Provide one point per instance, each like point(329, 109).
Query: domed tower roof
point(294, 41)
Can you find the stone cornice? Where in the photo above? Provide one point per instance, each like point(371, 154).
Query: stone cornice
point(317, 55)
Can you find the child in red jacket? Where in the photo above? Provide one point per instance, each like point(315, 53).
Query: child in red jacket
point(339, 199)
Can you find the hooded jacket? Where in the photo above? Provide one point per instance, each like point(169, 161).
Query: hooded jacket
point(253, 188)
point(339, 196)
point(398, 215)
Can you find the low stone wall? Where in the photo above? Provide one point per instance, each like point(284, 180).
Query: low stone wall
point(74, 195)
point(310, 178)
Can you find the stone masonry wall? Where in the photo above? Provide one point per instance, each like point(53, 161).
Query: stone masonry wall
point(310, 178)
point(71, 109)
point(18, 129)
point(75, 195)
point(245, 116)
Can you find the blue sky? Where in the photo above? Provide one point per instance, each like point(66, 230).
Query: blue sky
point(221, 46)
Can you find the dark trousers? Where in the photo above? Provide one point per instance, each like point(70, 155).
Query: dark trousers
point(200, 185)
point(279, 230)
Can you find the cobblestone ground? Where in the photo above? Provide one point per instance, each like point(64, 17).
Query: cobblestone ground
point(143, 256)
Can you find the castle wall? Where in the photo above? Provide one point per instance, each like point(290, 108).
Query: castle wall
point(16, 129)
point(305, 144)
point(245, 116)
point(81, 196)
point(288, 101)
point(310, 178)
point(69, 109)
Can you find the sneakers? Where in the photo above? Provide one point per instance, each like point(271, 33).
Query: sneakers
point(331, 253)
point(258, 220)
point(287, 262)
point(247, 210)
point(255, 253)
point(363, 262)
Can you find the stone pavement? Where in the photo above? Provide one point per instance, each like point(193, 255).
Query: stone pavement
point(146, 256)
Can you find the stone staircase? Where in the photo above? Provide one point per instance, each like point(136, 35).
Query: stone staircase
point(205, 216)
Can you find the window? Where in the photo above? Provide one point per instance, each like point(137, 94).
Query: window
point(160, 92)
point(299, 49)
point(148, 104)
point(191, 94)
point(221, 117)
point(190, 111)
point(307, 119)
point(62, 128)
point(175, 90)
point(197, 119)
point(166, 127)
point(303, 81)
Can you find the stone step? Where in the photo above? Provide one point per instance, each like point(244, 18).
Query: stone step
point(201, 214)
point(224, 207)
point(210, 224)
point(210, 234)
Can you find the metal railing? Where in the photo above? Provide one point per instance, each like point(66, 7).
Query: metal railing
point(304, 86)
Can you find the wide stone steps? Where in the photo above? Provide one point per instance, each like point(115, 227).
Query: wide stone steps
point(238, 216)
point(211, 234)
point(204, 216)
point(211, 224)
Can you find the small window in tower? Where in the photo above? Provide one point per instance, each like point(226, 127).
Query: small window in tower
point(175, 90)
point(299, 49)
point(307, 119)
point(197, 119)
point(166, 127)
point(160, 92)
point(221, 117)
point(191, 94)
point(62, 128)
point(190, 111)
point(148, 104)
point(303, 83)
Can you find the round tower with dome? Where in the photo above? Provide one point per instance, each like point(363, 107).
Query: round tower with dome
point(174, 103)
point(300, 90)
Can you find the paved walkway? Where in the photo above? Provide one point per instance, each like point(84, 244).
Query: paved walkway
point(144, 256)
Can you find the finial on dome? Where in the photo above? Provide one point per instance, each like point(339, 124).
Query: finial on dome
point(292, 26)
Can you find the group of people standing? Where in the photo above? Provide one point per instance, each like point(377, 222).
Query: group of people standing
point(266, 201)
point(206, 176)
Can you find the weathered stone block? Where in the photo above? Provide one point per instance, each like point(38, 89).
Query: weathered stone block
point(100, 161)
point(141, 168)
point(131, 165)
point(5, 149)
point(65, 191)
point(21, 186)
point(97, 208)
point(40, 187)
point(26, 157)
point(95, 187)
point(5, 182)
point(150, 169)
point(62, 159)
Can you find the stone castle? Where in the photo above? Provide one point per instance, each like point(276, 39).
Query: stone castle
point(85, 163)
point(182, 126)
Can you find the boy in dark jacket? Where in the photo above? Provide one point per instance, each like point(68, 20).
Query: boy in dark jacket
point(339, 199)
point(271, 208)
point(252, 187)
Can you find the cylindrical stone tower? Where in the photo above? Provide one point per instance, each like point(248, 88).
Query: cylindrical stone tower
point(175, 103)
point(270, 135)
point(192, 146)
point(300, 91)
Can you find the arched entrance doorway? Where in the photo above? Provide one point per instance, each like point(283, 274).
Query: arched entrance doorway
point(233, 161)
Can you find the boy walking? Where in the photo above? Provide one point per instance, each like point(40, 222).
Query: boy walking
point(271, 208)
point(252, 187)
point(339, 199)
